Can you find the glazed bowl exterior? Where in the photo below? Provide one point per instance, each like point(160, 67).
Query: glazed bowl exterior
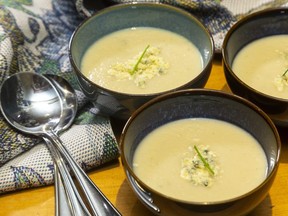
point(123, 16)
point(257, 25)
point(202, 103)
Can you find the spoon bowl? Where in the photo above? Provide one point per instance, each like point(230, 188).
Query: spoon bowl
point(69, 101)
point(23, 96)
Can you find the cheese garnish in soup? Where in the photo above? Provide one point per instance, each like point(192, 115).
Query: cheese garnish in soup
point(263, 65)
point(142, 60)
point(171, 160)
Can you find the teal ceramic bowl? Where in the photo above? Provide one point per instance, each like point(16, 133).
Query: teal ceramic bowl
point(252, 27)
point(124, 16)
point(203, 103)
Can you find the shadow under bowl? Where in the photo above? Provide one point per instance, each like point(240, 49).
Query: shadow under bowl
point(250, 28)
point(201, 103)
point(123, 16)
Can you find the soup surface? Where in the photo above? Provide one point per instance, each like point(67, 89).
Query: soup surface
point(142, 60)
point(167, 160)
point(262, 65)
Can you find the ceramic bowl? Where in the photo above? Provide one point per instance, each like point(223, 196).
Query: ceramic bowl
point(111, 19)
point(255, 26)
point(195, 103)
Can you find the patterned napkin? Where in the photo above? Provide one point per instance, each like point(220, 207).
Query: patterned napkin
point(34, 36)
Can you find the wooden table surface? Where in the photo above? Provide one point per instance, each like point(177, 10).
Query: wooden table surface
point(111, 180)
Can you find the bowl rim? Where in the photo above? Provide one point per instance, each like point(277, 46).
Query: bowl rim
point(235, 27)
point(111, 8)
point(200, 91)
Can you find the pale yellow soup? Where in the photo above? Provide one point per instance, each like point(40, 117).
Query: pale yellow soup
point(181, 58)
point(261, 64)
point(240, 162)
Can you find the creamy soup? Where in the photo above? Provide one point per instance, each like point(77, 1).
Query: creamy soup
point(262, 65)
point(142, 60)
point(168, 161)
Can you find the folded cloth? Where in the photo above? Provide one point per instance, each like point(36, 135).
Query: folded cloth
point(35, 36)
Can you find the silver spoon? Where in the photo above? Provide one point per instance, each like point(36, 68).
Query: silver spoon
point(22, 96)
point(68, 200)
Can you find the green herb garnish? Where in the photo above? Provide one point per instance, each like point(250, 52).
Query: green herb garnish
point(284, 74)
point(139, 60)
point(206, 164)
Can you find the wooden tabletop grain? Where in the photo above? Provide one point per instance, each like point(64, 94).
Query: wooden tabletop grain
point(111, 180)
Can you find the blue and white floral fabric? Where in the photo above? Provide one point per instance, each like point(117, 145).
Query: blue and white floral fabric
point(34, 36)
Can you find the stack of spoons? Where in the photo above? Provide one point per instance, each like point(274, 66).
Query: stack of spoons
point(44, 106)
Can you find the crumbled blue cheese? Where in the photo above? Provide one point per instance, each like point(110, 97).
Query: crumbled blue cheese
point(281, 81)
point(194, 170)
point(151, 65)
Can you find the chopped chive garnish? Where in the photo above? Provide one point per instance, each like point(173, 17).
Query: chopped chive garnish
point(285, 73)
point(206, 164)
point(138, 62)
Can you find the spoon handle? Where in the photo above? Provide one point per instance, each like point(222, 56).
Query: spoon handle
point(75, 202)
point(97, 201)
point(62, 204)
